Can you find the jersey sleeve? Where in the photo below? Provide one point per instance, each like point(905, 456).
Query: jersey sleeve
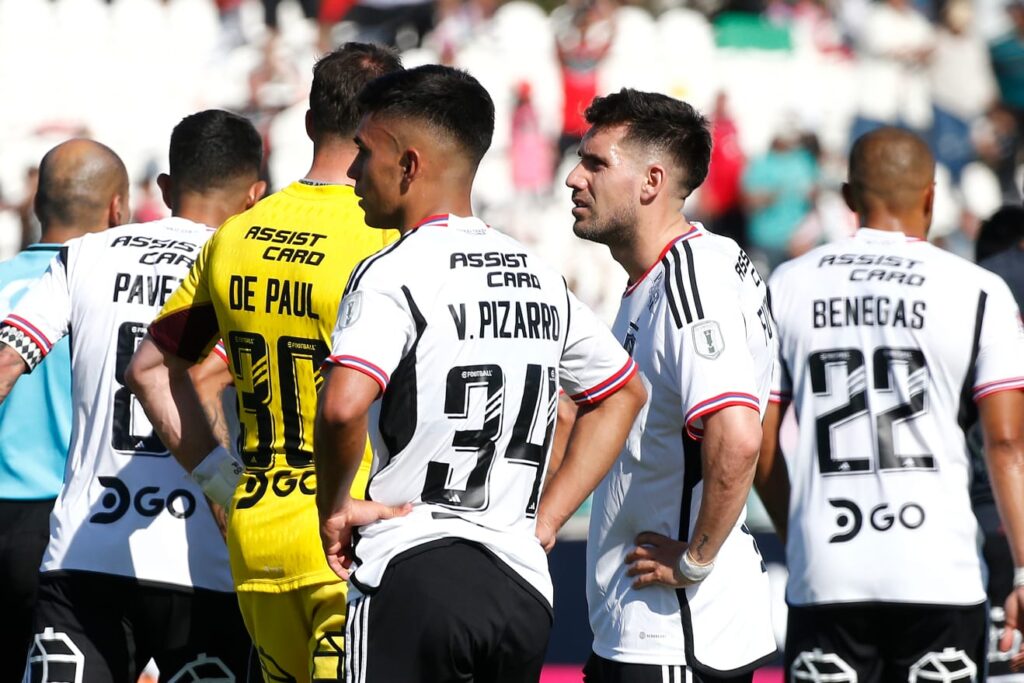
point(708, 357)
point(1000, 362)
point(187, 324)
point(594, 365)
point(375, 330)
point(42, 317)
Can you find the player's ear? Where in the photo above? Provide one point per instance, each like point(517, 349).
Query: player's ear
point(256, 192)
point(117, 210)
point(411, 163)
point(654, 183)
point(848, 197)
point(166, 185)
point(309, 125)
point(929, 202)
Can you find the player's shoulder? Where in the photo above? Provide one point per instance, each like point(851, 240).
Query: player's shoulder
point(703, 261)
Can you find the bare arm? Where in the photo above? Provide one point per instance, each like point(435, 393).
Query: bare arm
point(594, 444)
point(339, 440)
point(12, 366)
point(772, 478)
point(210, 378)
point(732, 437)
point(161, 382)
point(1002, 423)
point(563, 427)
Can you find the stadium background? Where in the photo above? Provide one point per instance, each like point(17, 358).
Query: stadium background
point(787, 84)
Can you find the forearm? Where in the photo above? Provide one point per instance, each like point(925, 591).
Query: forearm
point(728, 459)
point(339, 448)
point(164, 388)
point(771, 478)
point(12, 366)
point(1002, 422)
point(594, 444)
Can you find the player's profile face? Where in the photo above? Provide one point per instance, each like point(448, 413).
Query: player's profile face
point(377, 173)
point(604, 187)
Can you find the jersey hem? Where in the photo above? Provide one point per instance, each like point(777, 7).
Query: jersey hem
point(287, 584)
point(990, 388)
point(149, 583)
point(713, 405)
point(31, 331)
point(883, 603)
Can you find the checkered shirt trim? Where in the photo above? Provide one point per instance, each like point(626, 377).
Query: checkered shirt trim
point(22, 345)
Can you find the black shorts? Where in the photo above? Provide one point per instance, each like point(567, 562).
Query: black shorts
point(24, 532)
point(447, 611)
point(99, 628)
point(601, 670)
point(865, 643)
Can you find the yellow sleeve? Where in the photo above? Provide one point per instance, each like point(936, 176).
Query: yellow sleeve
point(187, 324)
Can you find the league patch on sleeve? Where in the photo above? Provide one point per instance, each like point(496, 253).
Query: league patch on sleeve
point(351, 307)
point(707, 339)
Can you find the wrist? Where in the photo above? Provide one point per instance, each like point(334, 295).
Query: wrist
point(692, 570)
point(1018, 577)
point(217, 475)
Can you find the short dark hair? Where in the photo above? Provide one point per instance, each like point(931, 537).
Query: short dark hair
point(999, 232)
point(446, 98)
point(211, 148)
point(655, 120)
point(339, 77)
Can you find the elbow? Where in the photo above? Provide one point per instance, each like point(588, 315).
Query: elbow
point(635, 393)
point(134, 377)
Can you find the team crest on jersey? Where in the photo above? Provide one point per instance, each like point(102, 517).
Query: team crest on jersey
point(351, 307)
point(656, 289)
point(707, 339)
point(629, 343)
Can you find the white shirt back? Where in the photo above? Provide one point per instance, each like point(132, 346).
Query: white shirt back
point(699, 327)
point(469, 337)
point(886, 342)
point(127, 507)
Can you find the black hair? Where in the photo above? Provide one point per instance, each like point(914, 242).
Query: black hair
point(999, 232)
point(448, 99)
point(339, 77)
point(211, 148)
point(659, 121)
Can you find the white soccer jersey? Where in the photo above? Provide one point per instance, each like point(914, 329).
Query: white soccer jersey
point(698, 325)
point(127, 507)
point(469, 337)
point(886, 342)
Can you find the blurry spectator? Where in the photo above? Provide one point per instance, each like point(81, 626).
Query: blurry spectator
point(30, 226)
point(962, 87)
point(457, 22)
point(996, 138)
point(1007, 55)
point(398, 23)
point(778, 190)
point(894, 44)
point(229, 13)
point(584, 31)
point(532, 163)
point(720, 204)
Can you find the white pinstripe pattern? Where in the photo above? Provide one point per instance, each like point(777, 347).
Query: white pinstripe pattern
point(364, 616)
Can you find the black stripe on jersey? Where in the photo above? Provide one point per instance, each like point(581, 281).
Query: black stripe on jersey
point(360, 270)
point(63, 254)
point(677, 299)
point(668, 292)
point(968, 413)
point(568, 318)
point(693, 281)
point(398, 406)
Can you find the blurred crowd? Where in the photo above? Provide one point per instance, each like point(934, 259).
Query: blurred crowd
point(787, 85)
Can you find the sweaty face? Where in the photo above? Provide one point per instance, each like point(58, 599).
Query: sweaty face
point(377, 172)
point(605, 187)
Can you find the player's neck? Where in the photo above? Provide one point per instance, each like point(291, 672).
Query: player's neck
point(440, 203)
point(331, 160)
point(648, 241)
point(209, 210)
point(57, 234)
point(890, 222)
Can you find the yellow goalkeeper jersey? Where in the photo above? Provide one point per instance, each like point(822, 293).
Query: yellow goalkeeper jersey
point(269, 283)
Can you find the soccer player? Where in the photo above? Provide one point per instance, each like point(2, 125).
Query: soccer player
point(450, 347)
point(83, 188)
point(135, 567)
point(676, 587)
point(890, 349)
point(269, 284)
